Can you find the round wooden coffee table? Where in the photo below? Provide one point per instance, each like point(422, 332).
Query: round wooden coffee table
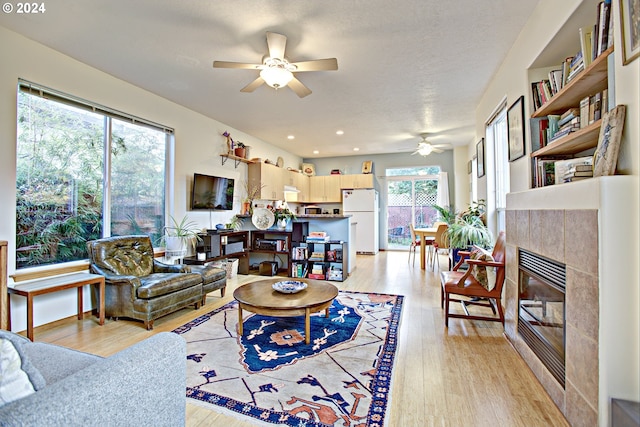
point(260, 298)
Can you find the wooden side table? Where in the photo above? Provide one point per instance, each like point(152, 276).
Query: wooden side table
point(55, 284)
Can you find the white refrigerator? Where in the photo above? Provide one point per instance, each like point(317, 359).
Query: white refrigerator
point(364, 207)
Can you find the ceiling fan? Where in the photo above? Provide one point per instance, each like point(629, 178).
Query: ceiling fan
point(425, 147)
point(276, 71)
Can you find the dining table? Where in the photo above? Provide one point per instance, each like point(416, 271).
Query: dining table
point(425, 234)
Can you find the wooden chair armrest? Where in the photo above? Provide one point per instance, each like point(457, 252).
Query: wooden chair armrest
point(483, 263)
point(464, 255)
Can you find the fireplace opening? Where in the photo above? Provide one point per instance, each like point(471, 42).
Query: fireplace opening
point(541, 309)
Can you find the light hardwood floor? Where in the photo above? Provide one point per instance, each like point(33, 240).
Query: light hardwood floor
point(467, 375)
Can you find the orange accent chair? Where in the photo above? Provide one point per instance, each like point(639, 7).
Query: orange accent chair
point(467, 287)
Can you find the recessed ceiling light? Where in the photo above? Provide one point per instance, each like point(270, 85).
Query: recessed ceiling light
point(316, 152)
point(291, 137)
point(356, 149)
point(339, 132)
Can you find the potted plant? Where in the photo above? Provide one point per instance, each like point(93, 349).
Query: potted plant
point(466, 228)
point(178, 236)
point(240, 150)
point(283, 215)
point(252, 193)
point(235, 223)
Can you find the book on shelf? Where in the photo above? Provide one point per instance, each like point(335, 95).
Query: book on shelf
point(318, 234)
point(299, 253)
point(538, 127)
point(316, 276)
point(580, 168)
point(299, 269)
point(577, 173)
point(331, 255)
point(603, 22)
point(555, 78)
point(586, 38)
point(584, 112)
point(577, 178)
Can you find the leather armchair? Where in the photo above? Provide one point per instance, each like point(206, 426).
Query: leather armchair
point(137, 285)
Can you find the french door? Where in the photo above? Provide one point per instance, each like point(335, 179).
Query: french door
point(410, 200)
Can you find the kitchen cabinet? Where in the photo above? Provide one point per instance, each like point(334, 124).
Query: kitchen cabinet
point(356, 181)
point(301, 182)
point(270, 177)
point(325, 189)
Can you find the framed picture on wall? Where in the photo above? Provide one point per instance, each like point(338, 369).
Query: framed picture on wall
point(480, 157)
point(515, 127)
point(366, 166)
point(629, 30)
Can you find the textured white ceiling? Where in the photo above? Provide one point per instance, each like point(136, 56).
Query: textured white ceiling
point(406, 67)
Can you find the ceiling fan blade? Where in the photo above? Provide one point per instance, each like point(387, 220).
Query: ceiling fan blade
point(276, 43)
point(327, 64)
point(437, 150)
point(241, 65)
point(253, 85)
point(300, 89)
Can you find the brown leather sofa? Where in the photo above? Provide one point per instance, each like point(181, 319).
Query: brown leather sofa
point(137, 285)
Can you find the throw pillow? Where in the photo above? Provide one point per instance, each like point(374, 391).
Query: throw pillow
point(14, 382)
point(18, 376)
point(486, 276)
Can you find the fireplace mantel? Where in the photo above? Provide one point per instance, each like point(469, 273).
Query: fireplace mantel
point(592, 225)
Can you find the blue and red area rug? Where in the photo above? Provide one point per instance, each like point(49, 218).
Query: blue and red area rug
point(342, 378)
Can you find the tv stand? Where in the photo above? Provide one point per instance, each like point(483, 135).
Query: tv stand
point(219, 245)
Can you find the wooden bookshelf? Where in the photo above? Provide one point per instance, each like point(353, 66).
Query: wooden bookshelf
point(592, 80)
point(572, 143)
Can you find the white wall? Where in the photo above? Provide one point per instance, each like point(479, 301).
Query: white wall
point(550, 21)
point(198, 142)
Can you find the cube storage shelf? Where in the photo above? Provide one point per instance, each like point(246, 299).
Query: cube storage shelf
point(329, 262)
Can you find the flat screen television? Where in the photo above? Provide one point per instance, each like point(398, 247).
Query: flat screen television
point(212, 193)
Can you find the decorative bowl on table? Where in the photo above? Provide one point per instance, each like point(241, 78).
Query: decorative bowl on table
point(289, 286)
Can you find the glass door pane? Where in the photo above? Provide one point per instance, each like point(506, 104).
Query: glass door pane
point(409, 201)
point(400, 213)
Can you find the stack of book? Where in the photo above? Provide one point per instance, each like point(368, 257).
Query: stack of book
point(568, 122)
point(318, 237)
point(317, 271)
point(316, 256)
point(573, 169)
point(578, 172)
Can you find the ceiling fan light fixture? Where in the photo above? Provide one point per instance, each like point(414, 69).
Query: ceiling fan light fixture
point(425, 149)
point(276, 77)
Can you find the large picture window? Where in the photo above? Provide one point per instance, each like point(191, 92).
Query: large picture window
point(83, 172)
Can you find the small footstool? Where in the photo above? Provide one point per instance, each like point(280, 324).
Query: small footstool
point(213, 278)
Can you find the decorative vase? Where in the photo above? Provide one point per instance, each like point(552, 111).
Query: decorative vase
point(240, 152)
point(282, 224)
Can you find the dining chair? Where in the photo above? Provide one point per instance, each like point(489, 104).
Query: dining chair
point(479, 285)
point(441, 243)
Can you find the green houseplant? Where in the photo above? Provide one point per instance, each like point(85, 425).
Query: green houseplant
point(466, 228)
point(178, 236)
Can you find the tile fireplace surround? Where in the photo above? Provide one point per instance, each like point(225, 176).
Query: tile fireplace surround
point(592, 227)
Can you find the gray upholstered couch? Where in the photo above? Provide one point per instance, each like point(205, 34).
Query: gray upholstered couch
point(143, 385)
point(138, 286)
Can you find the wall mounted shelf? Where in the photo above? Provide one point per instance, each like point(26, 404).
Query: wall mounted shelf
point(237, 160)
